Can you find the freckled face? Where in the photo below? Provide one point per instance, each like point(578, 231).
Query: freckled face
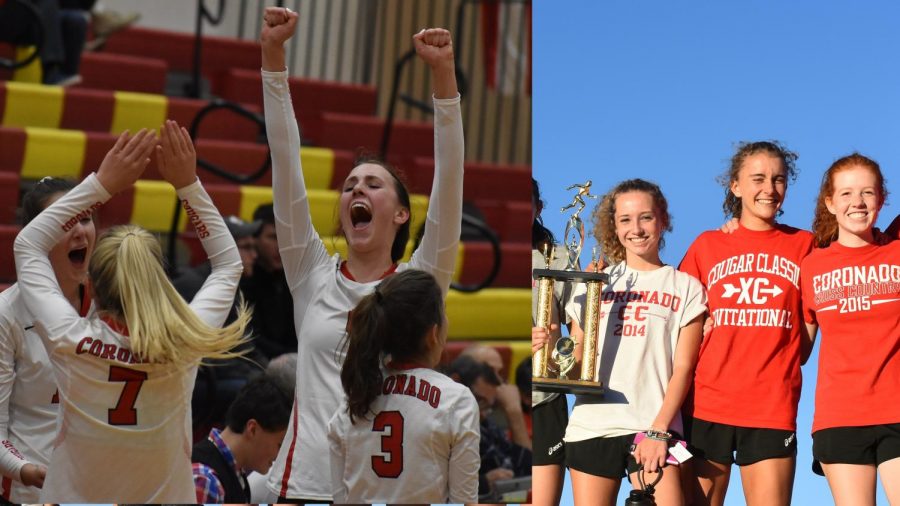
point(856, 201)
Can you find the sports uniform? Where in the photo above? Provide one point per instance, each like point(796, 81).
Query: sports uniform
point(854, 296)
point(124, 425)
point(323, 289)
point(641, 317)
point(419, 444)
point(550, 411)
point(28, 397)
point(748, 373)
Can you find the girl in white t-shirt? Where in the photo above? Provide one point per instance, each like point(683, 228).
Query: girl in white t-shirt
point(125, 373)
point(404, 433)
point(649, 337)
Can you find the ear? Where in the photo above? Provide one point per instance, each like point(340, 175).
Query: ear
point(251, 428)
point(734, 189)
point(434, 337)
point(829, 204)
point(401, 216)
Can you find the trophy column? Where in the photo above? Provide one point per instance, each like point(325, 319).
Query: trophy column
point(545, 299)
point(591, 329)
point(564, 352)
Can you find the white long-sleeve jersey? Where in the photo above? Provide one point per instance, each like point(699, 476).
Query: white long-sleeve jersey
point(124, 425)
point(418, 445)
point(28, 399)
point(324, 293)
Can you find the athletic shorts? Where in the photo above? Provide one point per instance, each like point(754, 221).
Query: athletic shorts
point(867, 445)
point(609, 457)
point(727, 444)
point(549, 421)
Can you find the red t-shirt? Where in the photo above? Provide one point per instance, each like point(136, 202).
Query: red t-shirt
point(854, 295)
point(748, 373)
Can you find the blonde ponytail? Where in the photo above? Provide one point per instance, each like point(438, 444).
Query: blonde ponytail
point(129, 283)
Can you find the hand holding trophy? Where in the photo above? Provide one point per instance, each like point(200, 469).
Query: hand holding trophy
point(563, 354)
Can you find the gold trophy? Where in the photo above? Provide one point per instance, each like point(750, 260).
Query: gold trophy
point(563, 353)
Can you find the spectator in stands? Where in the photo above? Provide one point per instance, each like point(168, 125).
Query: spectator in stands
point(65, 30)
point(256, 423)
point(523, 383)
point(218, 381)
point(501, 459)
point(282, 370)
point(105, 22)
point(267, 291)
point(486, 355)
point(510, 415)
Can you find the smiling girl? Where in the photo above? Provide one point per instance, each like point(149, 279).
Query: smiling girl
point(650, 324)
point(851, 289)
point(747, 383)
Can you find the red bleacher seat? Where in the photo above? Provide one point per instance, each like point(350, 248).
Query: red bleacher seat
point(12, 148)
point(511, 220)
point(106, 71)
point(9, 196)
point(351, 131)
point(310, 97)
point(478, 259)
point(177, 49)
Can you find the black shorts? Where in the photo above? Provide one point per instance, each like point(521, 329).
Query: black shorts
point(720, 442)
point(549, 421)
point(609, 457)
point(867, 445)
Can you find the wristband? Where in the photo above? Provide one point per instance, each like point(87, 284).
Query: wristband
point(659, 435)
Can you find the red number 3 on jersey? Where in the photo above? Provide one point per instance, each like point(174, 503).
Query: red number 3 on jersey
point(391, 444)
point(124, 412)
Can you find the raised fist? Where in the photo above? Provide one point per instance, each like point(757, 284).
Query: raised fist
point(279, 24)
point(434, 46)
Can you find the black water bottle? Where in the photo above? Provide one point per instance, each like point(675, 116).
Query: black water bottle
point(641, 497)
point(644, 496)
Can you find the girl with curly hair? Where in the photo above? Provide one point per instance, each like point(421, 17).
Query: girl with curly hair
point(650, 329)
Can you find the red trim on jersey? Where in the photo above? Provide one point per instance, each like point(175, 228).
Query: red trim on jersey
point(403, 366)
point(114, 325)
point(7, 488)
point(85, 291)
point(290, 455)
point(346, 272)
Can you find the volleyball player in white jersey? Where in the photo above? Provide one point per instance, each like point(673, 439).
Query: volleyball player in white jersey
point(374, 217)
point(125, 373)
point(405, 433)
point(28, 399)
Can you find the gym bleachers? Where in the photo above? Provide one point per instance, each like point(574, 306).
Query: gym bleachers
point(66, 132)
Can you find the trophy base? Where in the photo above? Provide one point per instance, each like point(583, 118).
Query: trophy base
point(567, 386)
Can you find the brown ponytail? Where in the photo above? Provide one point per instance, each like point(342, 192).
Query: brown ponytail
point(393, 320)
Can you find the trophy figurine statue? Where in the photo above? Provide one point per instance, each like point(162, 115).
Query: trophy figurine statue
point(563, 354)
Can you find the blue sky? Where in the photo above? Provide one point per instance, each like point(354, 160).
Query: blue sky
point(664, 91)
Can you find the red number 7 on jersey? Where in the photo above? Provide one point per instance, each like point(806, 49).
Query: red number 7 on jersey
point(124, 412)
